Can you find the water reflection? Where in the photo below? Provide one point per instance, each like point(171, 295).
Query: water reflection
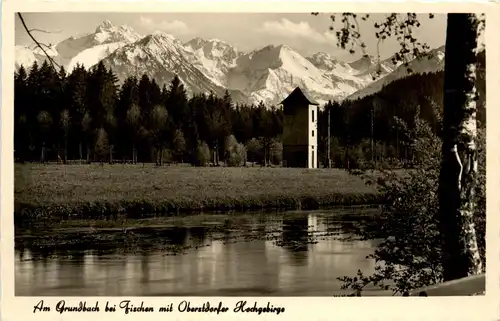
point(294, 254)
point(295, 238)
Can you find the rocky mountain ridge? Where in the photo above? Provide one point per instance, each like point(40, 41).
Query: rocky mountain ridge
point(265, 75)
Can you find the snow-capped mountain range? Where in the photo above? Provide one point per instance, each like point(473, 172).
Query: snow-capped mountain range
point(268, 74)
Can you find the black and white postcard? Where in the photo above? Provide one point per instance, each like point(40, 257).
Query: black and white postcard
point(247, 160)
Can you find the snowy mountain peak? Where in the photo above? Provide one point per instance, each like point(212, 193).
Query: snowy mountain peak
point(274, 49)
point(324, 61)
point(161, 56)
point(51, 51)
point(160, 37)
point(279, 54)
point(284, 47)
point(364, 63)
point(24, 57)
point(107, 33)
point(438, 53)
point(214, 57)
point(217, 42)
point(322, 56)
point(264, 75)
point(105, 25)
point(213, 48)
point(89, 49)
point(269, 73)
point(433, 62)
point(198, 42)
point(195, 43)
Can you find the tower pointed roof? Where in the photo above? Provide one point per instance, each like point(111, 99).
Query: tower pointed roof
point(297, 95)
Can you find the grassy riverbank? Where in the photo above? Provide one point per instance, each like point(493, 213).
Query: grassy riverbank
point(53, 192)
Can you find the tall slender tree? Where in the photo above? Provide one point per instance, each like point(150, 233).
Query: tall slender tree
point(45, 122)
point(86, 126)
point(460, 253)
point(134, 124)
point(128, 115)
point(65, 120)
point(461, 256)
point(159, 123)
point(21, 128)
point(76, 87)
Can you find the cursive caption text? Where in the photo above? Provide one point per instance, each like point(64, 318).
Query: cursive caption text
point(128, 307)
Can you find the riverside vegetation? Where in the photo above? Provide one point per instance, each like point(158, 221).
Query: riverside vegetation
point(55, 192)
point(410, 255)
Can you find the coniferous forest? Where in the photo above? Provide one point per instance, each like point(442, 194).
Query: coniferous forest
point(86, 116)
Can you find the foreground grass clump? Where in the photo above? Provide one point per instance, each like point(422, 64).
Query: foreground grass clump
point(89, 191)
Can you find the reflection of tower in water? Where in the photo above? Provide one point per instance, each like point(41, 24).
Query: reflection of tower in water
point(197, 235)
point(177, 236)
point(295, 237)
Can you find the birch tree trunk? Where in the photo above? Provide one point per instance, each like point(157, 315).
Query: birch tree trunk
point(459, 163)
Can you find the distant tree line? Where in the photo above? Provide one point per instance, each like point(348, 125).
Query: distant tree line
point(85, 115)
point(376, 130)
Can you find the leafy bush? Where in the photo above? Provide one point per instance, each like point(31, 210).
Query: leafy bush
point(409, 256)
point(101, 147)
point(202, 154)
point(255, 150)
point(276, 152)
point(179, 145)
point(234, 152)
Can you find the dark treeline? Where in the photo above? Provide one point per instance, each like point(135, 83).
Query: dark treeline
point(377, 129)
point(85, 115)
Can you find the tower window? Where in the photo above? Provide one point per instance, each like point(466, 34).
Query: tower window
point(313, 133)
point(312, 115)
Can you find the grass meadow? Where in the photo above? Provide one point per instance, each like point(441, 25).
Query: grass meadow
point(54, 192)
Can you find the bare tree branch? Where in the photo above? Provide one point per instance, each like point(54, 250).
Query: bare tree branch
point(42, 44)
point(349, 33)
point(39, 45)
point(44, 31)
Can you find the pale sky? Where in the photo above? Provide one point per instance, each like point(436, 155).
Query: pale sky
point(303, 32)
